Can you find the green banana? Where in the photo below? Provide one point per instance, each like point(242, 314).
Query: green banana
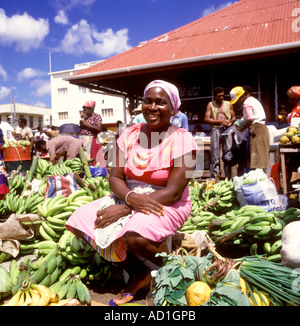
point(46, 280)
point(274, 258)
point(43, 233)
point(57, 221)
point(75, 194)
point(83, 294)
point(71, 294)
point(267, 247)
point(276, 246)
point(55, 275)
point(264, 232)
point(5, 280)
point(40, 273)
point(57, 209)
point(49, 230)
point(36, 264)
point(14, 272)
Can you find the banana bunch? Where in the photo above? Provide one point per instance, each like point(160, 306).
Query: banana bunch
point(198, 222)
point(32, 201)
point(31, 294)
point(72, 288)
point(291, 214)
point(75, 164)
point(221, 197)
point(252, 227)
point(59, 169)
point(100, 183)
point(16, 182)
point(14, 203)
point(75, 250)
point(197, 203)
point(43, 167)
point(53, 211)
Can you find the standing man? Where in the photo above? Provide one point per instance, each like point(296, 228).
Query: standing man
point(90, 125)
point(220, 115)
point(255, 120)
point(180, 120)
point(23, 132)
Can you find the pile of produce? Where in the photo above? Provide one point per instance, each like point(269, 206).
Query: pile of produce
point(292, 135)
point(248, 227)
point(212, 280)
point(64, 265)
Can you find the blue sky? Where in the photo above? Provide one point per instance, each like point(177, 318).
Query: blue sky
point(76, 31)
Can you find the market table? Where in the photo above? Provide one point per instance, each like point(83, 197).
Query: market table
point(283, 150)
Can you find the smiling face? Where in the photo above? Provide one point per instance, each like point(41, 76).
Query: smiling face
point(157, 108)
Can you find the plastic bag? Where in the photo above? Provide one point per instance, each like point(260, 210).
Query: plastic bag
point(264, 194)
point(60, 185)
point(98, 171)
point(290, 251)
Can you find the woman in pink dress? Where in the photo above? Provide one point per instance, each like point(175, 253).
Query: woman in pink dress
point(150, 201)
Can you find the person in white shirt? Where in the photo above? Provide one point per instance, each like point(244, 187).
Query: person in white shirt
point(7, 130)
point(255, 120)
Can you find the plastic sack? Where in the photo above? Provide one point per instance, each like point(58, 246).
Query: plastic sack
point(290, 252)
point(263, 194)
point(98, 171)
point(60, 185)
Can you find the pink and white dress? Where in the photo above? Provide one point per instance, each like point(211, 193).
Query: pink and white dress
point(146, 170)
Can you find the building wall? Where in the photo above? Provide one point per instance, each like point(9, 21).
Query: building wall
point(34, 115)
point(67, 101)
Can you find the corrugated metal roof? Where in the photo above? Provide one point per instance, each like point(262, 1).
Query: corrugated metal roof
point(247, 24)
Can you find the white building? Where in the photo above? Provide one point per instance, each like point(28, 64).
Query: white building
point(67, 100)
point(35, 115)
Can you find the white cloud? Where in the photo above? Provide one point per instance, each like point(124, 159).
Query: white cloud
point(24, 32)
point(39, 103)
point(3, 73)
point(212, 8)
point(70, 4)
point(40, 87)
point(4, 92)
point(29, 73)
point(83, 38)
point(61, 18)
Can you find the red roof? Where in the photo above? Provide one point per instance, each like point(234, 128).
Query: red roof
point(256, 25)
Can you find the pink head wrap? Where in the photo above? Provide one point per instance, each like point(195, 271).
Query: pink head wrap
point(89, 104)
point(170, 89)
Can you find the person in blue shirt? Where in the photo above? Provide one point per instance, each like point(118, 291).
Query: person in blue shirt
point(180, 120)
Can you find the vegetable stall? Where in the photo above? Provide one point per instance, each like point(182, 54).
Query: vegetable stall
point(243, 267)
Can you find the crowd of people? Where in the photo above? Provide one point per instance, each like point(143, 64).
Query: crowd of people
point(155, 158)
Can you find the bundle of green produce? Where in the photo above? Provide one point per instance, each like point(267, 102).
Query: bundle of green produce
point(220, 198)
point(279, 282)
point(228, 292)
point(198, 222)
point(254, 228)
point(173, 278)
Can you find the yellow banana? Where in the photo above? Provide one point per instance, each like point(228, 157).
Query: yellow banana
point(15, 299)
point(44, 293)
point(35, 297)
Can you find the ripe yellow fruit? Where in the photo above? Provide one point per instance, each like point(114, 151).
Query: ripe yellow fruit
point(292, 129)
point(197, 293)
point(266, 301)
point(244, 286)
point(259, 301)
point(284, 140)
